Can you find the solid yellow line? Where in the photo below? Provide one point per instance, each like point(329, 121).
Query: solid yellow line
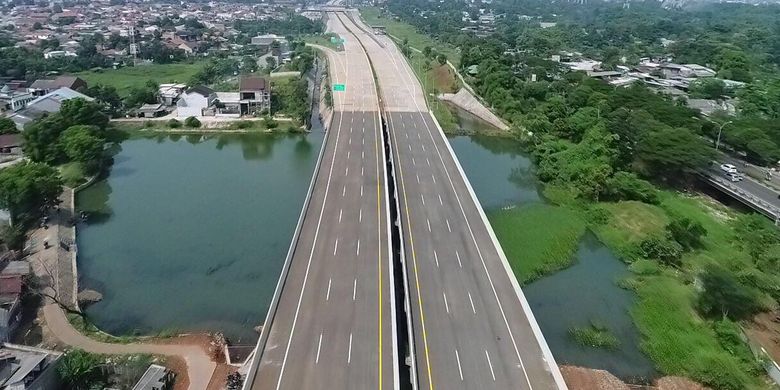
point(379, 232)
point(414, 261)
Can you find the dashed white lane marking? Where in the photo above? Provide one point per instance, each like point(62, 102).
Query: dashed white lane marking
point(319, 346)
point(460, 370)
point(410, 147)
point(434, 178)
point(418, 178)
point(423, 147)
point(335, 247)
point(354, 289)
point(446, 305)
point(349, 354)
point(357, 252)
point(327, 295)
point(422, 198)
point(448, 226)
point(458, 256)
point(418, 136)
point(361, 190)
point(340, 211)
point(436, 258)
point(363, 154)
point(429, 223)
point(348, 153)
point(364, 141)
point(490, 365)
point(350, 140)
point(360, 215)
point(473, 309)
point(346, 171)
point(361, 171)
point(440, 202)
point(344, 191)
point(428, 161)
point(406, 135)
point(413, 161)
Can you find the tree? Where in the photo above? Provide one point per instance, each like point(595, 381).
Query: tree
point(709, 88)
point(426, 51)
point(7, 126)
point(442, 59)
point(41, 138)
point(664, 250)
point(139, 96)
point(174, 124)
point(687, 232)
point(271, 61)
point(192, 122)
point(724, 296)
point(667, 152)
point(80, 370)
point(37, 26)
point(25, 187)
point(80, 143)
point(83, 112)
point(248, 64)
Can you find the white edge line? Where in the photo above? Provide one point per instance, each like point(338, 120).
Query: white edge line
point(552, 366)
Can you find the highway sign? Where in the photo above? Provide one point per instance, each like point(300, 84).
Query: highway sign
point(339, 87)
point(337, 40)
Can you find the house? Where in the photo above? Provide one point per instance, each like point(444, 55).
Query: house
point(156, 377)
point(41, 87)
point(14, 100)
point(10, 144)
point(168, 94)
point(265, 41)
point(10, 305)
point(152, 110)
point(708, 107)
point(28, 368)
point(195, 101)
point(228, 104)
point(255, 93)
point(49, 103)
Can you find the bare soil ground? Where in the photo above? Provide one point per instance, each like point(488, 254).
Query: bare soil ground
point(765, 330)
point(580, 378)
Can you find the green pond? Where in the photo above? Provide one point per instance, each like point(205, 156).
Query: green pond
point(585, 293)
point(190, 232)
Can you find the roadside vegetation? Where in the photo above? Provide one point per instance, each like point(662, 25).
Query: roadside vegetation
point(594, 336)
point(80, 370)
point(622, 162)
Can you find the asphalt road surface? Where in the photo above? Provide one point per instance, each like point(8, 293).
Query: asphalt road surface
point(472, 327)
point(333, 323)
point(334, 327)
point(750, 186)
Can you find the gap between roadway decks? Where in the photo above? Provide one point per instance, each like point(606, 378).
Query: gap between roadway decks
point(407, 368)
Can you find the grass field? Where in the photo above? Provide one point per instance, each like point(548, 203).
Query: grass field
point(400, 30)
point(123, 79)
point(323, 40)
point(538, 239)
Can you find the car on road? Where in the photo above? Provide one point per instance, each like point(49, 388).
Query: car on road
point(728, 168)
point(734, 176)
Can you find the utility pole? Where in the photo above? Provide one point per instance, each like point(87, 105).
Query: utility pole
point(720, 130)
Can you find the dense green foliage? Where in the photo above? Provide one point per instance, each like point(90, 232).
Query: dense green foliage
point(292, 25)
point(80, 370)
point(27, 186)
point(7, 126)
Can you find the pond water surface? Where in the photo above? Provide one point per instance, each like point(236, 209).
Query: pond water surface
point(502, 175)
point(189, 233)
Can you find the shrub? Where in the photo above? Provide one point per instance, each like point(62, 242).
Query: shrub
point(270, 123)
point(687, 232)
point(724, 296)
point(664, 250)
point(243, 124)
point(595, 336)
point(149, 124)
point(627, 186)
point(192, 122)
point(174, 124)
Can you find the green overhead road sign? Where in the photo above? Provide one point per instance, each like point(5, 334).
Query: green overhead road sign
point(339, 87)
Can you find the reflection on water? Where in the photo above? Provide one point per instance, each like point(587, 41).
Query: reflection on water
point(189, 232)
point(584, 293)
point(503, 176)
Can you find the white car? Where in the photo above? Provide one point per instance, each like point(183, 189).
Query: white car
point(734, 176)
point(728, 168)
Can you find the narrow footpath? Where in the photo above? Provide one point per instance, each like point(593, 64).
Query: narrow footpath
point(56, 267)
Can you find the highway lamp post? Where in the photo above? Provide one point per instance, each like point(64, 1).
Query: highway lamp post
point(720, 130)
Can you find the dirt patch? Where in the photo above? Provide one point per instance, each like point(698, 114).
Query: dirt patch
point(765, 330)
point(581, 378)
point(219, 378)
point(178, 366)
point(678, 383)
point(444, 78)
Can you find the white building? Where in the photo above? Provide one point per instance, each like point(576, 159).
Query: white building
point(195, 101)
